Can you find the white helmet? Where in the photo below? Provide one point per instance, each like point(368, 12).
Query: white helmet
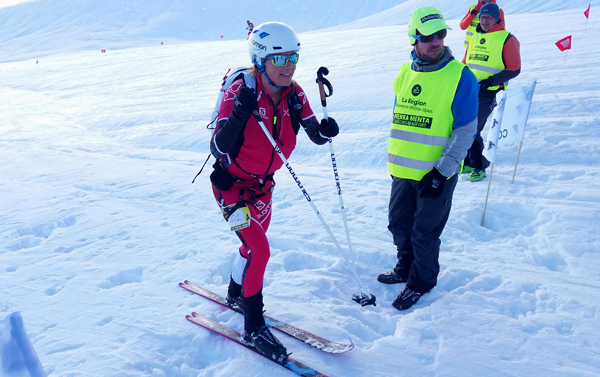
point(271, 38)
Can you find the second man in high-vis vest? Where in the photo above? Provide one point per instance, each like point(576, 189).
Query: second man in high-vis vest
point(471, 19)
point(494, 56)
point(434, 123)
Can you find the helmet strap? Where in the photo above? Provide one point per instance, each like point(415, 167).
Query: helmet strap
point(262, 69)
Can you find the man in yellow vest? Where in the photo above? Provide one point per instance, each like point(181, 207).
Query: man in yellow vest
point(493, 55)
point(471, 19)
point(434, 123)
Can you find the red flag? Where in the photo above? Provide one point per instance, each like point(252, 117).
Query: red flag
point(564, 44)
point(587, 11)
point(221, 36)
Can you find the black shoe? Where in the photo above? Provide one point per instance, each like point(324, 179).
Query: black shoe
point(266, 344)
point(390, 277)
point(235, 302)
point(406, 299)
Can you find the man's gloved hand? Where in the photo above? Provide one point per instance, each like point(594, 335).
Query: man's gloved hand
point(484, 84)
point(245, 103)
point(433, 184)
point(329, 127)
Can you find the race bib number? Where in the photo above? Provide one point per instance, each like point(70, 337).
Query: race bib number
point(238, 218)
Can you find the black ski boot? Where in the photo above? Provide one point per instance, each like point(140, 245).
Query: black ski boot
point(266, 344)
point(390, 277)
point(234, 295)
point(406, 299)
point(257, 334)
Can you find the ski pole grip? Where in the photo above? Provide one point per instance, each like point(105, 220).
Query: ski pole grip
point(322, 93)
point(256, 116)
point(323, 82)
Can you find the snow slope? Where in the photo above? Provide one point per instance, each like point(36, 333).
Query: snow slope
point(43, 27)
point(100, 220)
point(51, 26)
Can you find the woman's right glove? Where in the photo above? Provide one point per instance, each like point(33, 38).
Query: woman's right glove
point(329, 127)
point(245, 103)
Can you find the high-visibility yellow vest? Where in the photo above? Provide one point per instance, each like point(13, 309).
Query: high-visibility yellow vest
point(423, 119)
point(484, 55)
point(471, 28)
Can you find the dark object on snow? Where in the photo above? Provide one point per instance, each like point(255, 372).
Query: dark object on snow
point(363, 299)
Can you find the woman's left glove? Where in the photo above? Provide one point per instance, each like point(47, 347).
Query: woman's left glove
point(329, 128)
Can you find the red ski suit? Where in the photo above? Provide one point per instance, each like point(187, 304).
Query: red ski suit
point(252, 162)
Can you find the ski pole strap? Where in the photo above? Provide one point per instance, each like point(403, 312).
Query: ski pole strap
point(202, 168)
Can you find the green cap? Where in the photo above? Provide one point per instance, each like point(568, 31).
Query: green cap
point(427, 20)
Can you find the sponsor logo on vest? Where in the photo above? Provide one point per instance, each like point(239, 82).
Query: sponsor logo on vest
point(431, 17)
point(412, 120)
point(416, 90)
point(413, 102)
point(258, 45)
point(479, 57)
point(482, 41)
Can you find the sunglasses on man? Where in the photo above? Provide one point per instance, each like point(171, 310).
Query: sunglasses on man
point(281, 60)
point(429, 38)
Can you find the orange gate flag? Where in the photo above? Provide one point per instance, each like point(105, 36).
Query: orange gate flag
point(564, 44)
point(587, 11)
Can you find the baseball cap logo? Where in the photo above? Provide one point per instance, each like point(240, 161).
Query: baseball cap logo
point(431, 17)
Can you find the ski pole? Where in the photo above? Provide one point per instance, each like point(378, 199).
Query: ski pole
point(314, 207)
point(362, 298)
point(323, 82)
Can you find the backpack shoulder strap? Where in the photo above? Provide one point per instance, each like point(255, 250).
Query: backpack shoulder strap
point(295, 106)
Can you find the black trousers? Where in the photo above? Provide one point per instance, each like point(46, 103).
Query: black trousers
point(475, 158)
point(416, 224)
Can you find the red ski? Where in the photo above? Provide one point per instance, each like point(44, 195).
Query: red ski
point(295, 366)
point(302, 335)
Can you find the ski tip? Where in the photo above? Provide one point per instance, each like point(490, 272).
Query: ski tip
point(194, 314)
point(349, 346)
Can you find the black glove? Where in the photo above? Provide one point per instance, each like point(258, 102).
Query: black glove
point(329, 127)
point(433, 184)
point(484, 84)
point(245, 103)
